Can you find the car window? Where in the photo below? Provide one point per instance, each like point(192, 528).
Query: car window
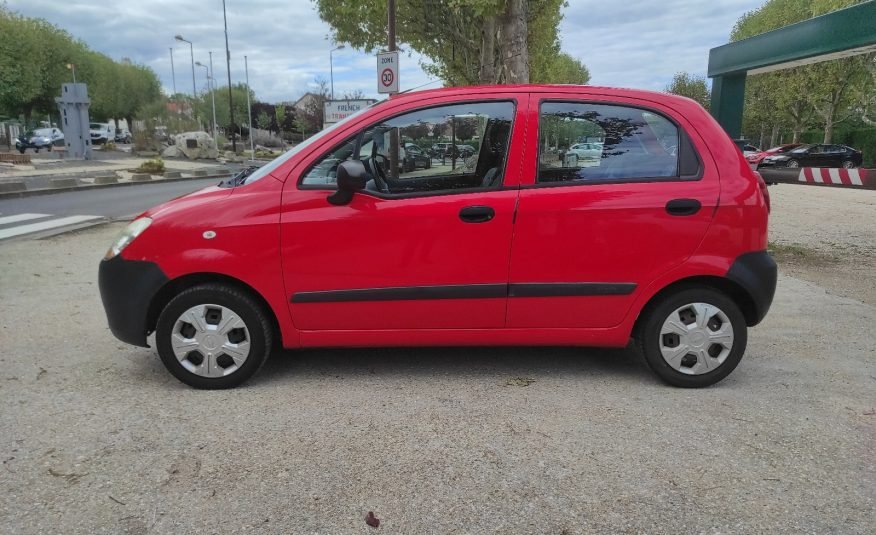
point(623, 143)
point(801, 150)
point(484, 127)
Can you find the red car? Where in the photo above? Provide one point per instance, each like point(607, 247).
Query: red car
point(662, 238)
point(758, 157)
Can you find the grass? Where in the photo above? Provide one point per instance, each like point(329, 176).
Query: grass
point(153, 167)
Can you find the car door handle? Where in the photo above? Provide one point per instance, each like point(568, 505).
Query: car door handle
point(477, 214)
point(683, 206)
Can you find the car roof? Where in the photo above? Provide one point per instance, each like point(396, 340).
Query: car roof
point(542, 88)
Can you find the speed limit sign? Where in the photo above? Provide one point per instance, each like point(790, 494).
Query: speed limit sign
point(387, 72)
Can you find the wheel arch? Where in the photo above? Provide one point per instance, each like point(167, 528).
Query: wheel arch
point(731, 289)
point(173, 287)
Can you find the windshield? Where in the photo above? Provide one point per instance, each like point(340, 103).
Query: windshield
point(802, 149)
point(268, 168)
point(95, 126)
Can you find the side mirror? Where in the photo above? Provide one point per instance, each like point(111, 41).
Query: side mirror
point(351, 177)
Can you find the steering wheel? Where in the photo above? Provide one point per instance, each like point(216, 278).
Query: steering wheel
point(379, 173)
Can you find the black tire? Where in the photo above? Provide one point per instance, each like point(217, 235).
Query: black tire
point(250, 312)
point(651, 322)
point(848, 164)
point(793, 164)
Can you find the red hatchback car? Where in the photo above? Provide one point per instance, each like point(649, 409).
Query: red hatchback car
point(663, 237)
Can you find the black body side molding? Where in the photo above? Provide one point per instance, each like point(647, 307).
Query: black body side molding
point(126, 289)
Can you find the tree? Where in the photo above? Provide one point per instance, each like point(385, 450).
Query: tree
point(833, 91)
point(690, 86)
point(223, 113)
point(263, 121)
point(467, 41)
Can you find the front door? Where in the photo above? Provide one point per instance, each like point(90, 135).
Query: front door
point(593, 232)
point(424, 246)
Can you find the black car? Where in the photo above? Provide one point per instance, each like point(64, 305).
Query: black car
point(415, 157)
point(816, 155)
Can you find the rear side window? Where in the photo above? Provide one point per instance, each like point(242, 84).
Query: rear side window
point(600, 142)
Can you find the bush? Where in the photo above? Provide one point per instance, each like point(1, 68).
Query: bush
point(146, 140)
point(109, 145)
point(153, 167)
point(266, 138)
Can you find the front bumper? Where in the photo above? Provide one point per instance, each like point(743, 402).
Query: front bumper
point(756, 273)
point(126, 289)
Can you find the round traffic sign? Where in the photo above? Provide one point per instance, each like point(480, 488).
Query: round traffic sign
point(386, 77)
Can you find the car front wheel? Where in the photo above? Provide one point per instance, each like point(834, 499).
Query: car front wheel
point(693, 338)
point(793, 164)
point(213, 336)
point(848, 164)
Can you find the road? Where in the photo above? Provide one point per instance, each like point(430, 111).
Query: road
point(115, 202)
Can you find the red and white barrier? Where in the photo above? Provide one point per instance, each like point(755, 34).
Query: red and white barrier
point(831, 176)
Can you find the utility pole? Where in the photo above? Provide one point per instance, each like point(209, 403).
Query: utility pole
point(172, 71)
point(228, 64)
point(213, 95)
point(249, 110)
point(393, 134)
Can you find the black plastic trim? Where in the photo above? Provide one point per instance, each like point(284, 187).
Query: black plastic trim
point(756, 273)
point(569, 289)
point(404, 293)
point(466, 291)
point(126, 289)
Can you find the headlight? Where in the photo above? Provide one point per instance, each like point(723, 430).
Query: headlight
point(134, 229)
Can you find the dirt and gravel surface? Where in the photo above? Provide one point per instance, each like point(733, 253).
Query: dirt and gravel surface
point(827, 236)
point(95, 437)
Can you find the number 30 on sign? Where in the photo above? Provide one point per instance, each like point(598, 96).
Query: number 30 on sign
point(387, 72)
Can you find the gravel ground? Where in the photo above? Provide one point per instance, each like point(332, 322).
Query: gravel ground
point(95, 437)
point(826, 236)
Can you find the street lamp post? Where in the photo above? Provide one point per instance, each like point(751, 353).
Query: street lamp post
point(249, 109)
point(332, 69)
point(213, 96)
point(210, 88)
point(172, 71)
point(228, 66)
point(192, 52)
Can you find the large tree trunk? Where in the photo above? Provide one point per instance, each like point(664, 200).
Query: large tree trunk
point(516, 55)
point(774, 136)
point(828, 123)
point(487, 71)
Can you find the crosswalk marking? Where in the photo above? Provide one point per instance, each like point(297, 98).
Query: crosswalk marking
point(20, 217)
point(45, 225)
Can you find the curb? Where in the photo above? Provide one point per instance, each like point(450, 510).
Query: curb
point(85, 187)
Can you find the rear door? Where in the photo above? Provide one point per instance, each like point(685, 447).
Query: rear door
point(590, 236)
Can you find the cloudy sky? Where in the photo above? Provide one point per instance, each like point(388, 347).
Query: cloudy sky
point(639, 43)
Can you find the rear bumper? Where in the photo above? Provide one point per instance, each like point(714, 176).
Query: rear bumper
point(126, 289)
point(756, 273)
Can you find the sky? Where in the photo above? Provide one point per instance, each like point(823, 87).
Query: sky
point(640, 45)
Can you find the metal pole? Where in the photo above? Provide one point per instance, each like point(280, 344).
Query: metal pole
point(332, 73)
point(194, 87)
point(228, 63)
point(213, 96)
point(249, 109)
point(172, 71)
point(73, 68)
point(393, 135)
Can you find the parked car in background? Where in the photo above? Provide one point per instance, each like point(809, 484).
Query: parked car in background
point(101, 133)
point(758, 157)
point(669, 247)
point(746, 147)
point(583, 151)
point(448, 150)
point(42, 138)
point(416, 158)
point(123, 135)
point(816, 155)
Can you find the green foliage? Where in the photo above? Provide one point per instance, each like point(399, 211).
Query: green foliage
point(33, 64)
point(451, 34)
point(690, 86)
point(826, 94)
point(153, 167)
point(204, 106)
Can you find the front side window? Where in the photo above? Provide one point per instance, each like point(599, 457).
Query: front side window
point(581, 141)
point(441, 149)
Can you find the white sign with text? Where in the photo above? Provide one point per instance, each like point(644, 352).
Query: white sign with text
point(387, 72)
point(336, 110)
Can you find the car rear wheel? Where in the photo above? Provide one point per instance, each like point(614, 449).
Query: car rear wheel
point(793, 164)
point(848, 164)
point(693, 338)
point(213, 336)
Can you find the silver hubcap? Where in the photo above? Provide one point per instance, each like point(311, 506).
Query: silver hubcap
point(696, 338)
point(793, 163)
point(210, 340)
